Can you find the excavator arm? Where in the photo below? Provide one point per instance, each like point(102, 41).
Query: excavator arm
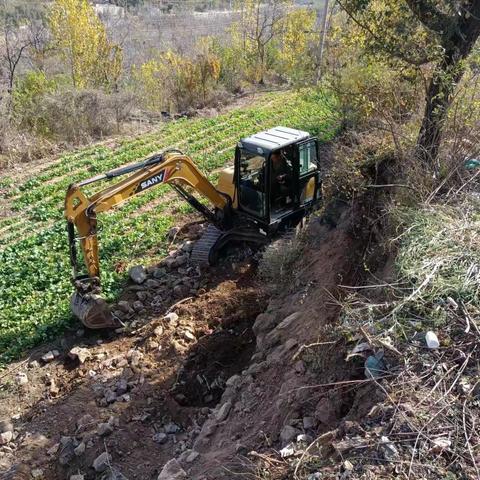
point(81, 211)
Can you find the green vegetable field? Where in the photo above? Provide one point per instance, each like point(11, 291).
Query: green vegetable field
point(34, 265)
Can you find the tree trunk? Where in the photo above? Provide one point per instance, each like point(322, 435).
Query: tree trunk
point(439, 97)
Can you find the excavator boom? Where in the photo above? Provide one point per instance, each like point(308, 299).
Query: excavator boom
point(172, 167)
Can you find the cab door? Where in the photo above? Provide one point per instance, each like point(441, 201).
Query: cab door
point(309, 182)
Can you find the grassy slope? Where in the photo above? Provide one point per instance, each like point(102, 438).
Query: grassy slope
point(34, 267)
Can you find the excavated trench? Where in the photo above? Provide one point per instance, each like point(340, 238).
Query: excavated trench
point(214, 359)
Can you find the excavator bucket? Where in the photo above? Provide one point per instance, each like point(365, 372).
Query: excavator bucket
point(93, 311)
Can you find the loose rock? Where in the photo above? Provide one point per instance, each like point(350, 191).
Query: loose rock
point(5, 437)
point(172, 471)
point(171, 428)
point(104, 429)
point(138, 274)
point(48, 357)
point(80, 449)
point(21, 378)
point(81, 353)
point(37, 473)
point(171, 317)
point(288, 433)
point(6, 426)
point(100, 464)
point(160, 437)
point(223, 411)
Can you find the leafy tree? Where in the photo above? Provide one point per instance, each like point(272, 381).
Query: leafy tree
point(82, 40)
point(299, 36)
point(419, 32)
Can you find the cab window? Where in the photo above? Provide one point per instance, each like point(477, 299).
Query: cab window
point(252, 182)
point(307, 157)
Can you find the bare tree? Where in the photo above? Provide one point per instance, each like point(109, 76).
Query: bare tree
point(15, 44)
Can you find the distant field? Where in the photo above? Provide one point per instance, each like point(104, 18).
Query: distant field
point(34, 267)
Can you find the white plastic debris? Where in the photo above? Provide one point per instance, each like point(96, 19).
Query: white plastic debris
point(432, 340)
point(287, 451)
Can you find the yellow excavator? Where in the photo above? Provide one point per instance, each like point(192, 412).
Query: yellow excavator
point(274, 183)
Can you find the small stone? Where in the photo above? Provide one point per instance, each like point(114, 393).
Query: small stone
point(6, 425)
point(124, 306)
point(181, 260)
point(171, 317)
point(347, 466)
point(134, 356)
point(78, 352)
point(110, 396)
point(48, 357)
point(171, 428)
point(56, 353)
point(34, 364)
point(138, 274)
point(80, 449)
point(153, 284)
point(104, 429)
point(189, 336)
point(101, 463)
point(159, 273)
point(6, 437)
point(172, 471)
point(21, 378)
point(309, 422)
point(288, 433)
point(160, 437)
point(85, 421)
point(440, 444)
point(223, 411)
point(121, 386)
point(53, 389)
point(77, 477)
point(169, 262)
point(388, 448)
point(179, 291)
point(142, 296)
point(138, 306)
point(37, 473)
point(304, 438)
point(53, 449)
point(158, 332)
point(190, 456)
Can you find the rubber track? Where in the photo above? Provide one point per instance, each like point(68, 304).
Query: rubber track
point(202, 248)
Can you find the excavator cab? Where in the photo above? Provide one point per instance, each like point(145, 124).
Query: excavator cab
point(277, 177)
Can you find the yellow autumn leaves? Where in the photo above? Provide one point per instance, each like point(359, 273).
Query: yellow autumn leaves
point(81, 38)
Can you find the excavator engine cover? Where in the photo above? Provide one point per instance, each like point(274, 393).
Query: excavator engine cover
point(93, 311)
